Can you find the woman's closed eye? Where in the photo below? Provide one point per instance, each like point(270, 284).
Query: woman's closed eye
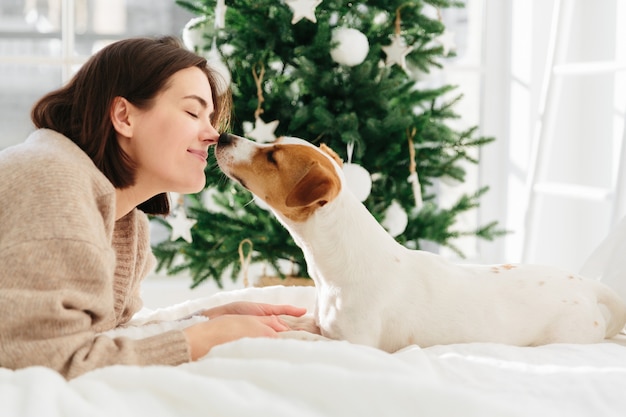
point(192, 114)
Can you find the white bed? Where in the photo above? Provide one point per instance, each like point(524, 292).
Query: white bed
point(289, 377)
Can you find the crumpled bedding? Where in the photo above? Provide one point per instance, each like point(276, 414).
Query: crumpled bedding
point(291, 377)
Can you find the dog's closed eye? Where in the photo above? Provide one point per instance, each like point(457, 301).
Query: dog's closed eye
point(270, 157)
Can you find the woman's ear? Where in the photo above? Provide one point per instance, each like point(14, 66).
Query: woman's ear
point(120, 116)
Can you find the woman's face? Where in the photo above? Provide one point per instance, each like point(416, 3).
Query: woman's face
point(170, 141)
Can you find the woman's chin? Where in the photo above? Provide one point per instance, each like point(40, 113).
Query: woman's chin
point(193, 189)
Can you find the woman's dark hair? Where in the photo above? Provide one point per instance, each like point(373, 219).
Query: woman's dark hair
point(136, 69)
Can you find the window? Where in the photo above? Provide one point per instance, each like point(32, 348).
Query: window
point(43, 42)
point(587, 134)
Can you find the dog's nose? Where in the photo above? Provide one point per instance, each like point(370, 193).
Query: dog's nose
point(225, 139)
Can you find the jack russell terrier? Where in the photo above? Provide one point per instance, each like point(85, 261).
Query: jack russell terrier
point(374, 291)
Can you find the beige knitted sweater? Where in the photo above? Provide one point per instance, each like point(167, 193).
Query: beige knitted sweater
point(68, 270)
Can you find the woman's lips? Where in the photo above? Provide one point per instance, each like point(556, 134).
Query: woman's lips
point(199, 153)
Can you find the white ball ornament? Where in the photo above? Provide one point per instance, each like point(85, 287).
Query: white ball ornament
point(359, 181)
point(214, 61)
point(208, 200)
point(352, 46)
point(396, 219)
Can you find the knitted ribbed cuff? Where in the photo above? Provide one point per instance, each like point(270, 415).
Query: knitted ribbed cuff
point(170, 348)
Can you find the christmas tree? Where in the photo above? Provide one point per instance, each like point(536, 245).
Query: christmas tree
point(341, 73)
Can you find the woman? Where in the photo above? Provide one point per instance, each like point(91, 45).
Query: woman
point(135, 122)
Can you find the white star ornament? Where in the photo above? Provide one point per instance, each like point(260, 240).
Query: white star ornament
point(263, 132)
point(181, 226)
point(303, 9)
point(397, 52)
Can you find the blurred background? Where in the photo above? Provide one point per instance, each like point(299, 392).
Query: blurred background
point(546, 78)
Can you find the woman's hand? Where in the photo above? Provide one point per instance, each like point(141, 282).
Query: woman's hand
point(226, 328)
point(253, 309)
point(236, 320)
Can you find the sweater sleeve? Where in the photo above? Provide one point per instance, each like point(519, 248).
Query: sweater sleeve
point(52, 306)
point(58, 271)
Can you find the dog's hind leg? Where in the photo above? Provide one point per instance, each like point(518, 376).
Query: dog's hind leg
point(613, 310)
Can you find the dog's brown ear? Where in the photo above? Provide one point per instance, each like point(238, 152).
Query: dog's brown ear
point(332, 153)
point(317, 186)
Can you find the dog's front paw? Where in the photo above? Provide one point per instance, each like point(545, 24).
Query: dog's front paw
point(304, 323)
point(302, 335)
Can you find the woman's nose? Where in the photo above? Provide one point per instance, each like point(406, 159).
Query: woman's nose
point(210, 134)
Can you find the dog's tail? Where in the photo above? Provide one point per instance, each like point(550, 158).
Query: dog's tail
point(613, 309)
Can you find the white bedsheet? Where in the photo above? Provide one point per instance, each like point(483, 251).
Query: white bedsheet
point(299, 378)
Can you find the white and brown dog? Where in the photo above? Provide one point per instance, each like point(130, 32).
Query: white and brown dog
point(374, 291)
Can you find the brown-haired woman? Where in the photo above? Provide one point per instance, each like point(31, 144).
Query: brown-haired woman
point(134, 123)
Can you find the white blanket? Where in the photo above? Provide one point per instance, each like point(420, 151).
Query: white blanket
point(296, 378)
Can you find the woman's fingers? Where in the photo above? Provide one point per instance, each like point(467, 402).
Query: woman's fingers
point(275, 323)
point(254, 309)
point(279, 309)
